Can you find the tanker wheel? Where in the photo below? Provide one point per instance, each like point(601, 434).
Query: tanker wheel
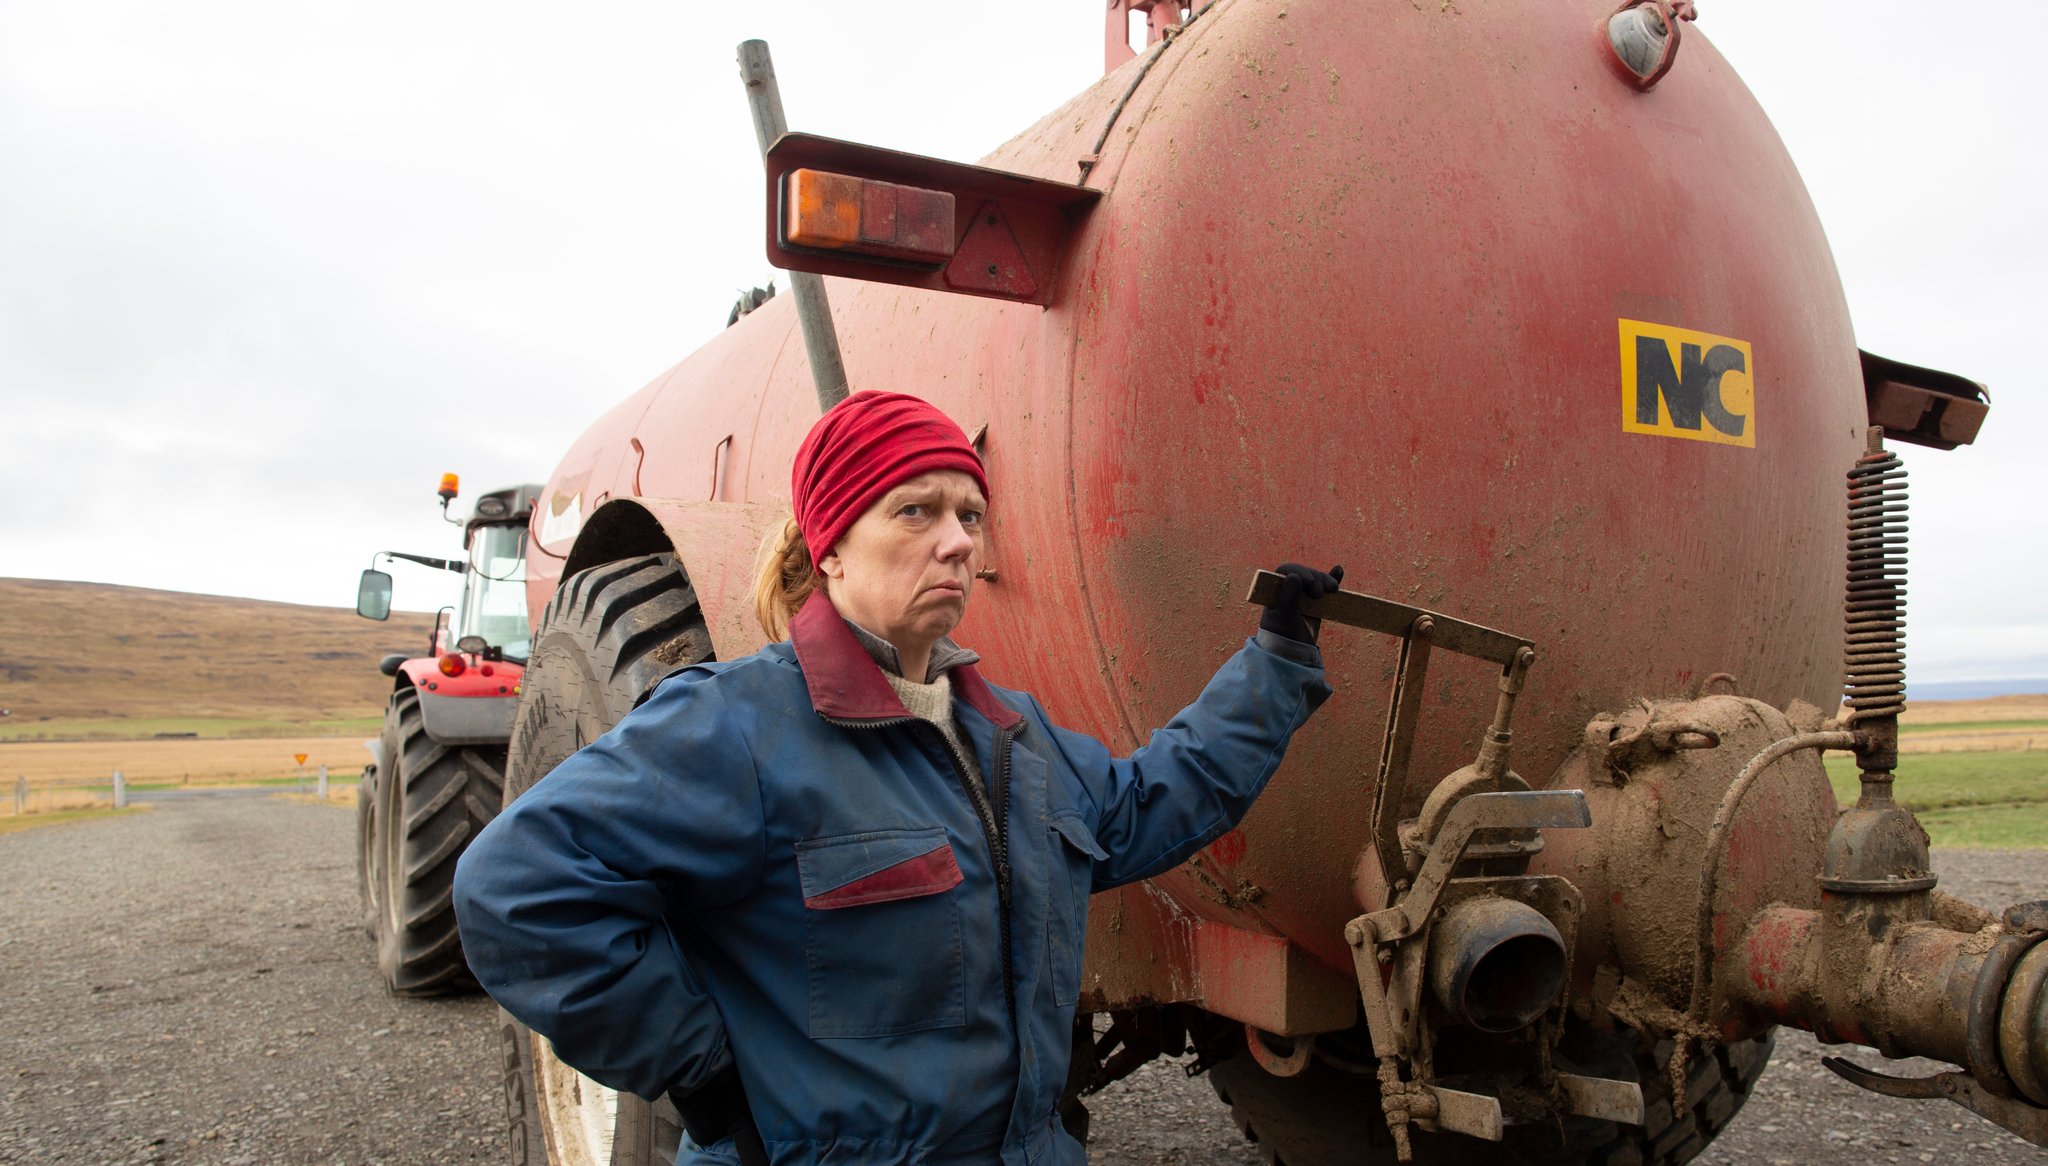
point(610, 635)
point(369, 867)
point(1327, 1116)
point(431, 800)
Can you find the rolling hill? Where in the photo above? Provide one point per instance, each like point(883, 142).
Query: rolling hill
point(77, 655)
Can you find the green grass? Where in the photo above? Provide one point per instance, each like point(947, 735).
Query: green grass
point(143, 728)
point(1996, 800)
point(2021, 827)
point(21, 822)
point(1971, 727)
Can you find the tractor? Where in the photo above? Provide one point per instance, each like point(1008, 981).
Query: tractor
point(437, 771)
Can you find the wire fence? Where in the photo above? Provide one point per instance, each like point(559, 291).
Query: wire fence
point(114, 791)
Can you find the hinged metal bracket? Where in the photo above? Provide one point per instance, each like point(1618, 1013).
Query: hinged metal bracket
point(2027, 1120)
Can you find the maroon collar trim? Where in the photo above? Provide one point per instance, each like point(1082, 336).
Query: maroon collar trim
point(845, 682)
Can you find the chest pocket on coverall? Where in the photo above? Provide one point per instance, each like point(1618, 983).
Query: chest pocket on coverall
point(882, 933)
point(1073, 851)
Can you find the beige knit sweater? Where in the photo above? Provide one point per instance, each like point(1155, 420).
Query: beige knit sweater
point(931, 701)
point(934, 702)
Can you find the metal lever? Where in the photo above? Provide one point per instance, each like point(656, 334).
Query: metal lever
point(1372, 613)
point(1421, 631)
point(1543, 809)
point(2028, 1121)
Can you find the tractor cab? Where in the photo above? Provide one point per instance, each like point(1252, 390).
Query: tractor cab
point(493, 607)
point(489, 622)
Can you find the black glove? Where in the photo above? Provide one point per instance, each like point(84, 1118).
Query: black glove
point(1283, 617)
point(717, 1110)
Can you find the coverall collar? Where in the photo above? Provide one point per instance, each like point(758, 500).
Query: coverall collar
point(847, 684)
point(946, 654)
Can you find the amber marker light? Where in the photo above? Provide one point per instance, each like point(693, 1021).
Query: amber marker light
point(838, 212)
point(450, 485)
point(452, 665)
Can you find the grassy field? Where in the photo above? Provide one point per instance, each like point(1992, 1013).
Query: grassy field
point(1982, 799)
point(9, 825)
point(69, 775)
point(91, 661)
point(2027, 710)
point(142, 728)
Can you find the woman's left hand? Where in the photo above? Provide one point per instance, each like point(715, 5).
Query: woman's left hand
point(1283, 617)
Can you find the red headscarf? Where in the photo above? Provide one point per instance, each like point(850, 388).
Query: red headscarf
point(867, 445)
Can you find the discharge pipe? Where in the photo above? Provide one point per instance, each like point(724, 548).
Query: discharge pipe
point(1496, 964)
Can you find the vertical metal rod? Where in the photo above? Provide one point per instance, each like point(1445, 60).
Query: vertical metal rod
point(1404, 709)
point(1493, 751)
point(821, 340)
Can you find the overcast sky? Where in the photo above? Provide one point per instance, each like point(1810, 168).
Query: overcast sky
point(266, 270)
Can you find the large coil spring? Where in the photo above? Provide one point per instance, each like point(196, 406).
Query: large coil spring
point(1874, 654)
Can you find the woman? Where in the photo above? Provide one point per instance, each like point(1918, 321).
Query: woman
point(830, 897)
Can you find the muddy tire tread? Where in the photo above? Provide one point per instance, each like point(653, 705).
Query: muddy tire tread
point(1719, 1084)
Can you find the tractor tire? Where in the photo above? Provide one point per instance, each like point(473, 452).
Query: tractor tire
point(525, 1144)
point(610, 635)
point(431, 799)
point(1324, 1117)
point(369, 871)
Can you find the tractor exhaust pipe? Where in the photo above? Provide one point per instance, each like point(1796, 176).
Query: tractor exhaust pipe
point(1496, 964)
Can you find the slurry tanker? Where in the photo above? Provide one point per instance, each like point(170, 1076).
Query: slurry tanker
point(1520, 312)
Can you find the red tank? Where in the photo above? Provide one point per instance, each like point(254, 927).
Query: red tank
point(1446, 294)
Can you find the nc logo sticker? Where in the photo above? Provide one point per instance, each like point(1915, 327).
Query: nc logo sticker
point(1680, 383)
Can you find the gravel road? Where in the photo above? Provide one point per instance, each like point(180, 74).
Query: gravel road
point(189, 985)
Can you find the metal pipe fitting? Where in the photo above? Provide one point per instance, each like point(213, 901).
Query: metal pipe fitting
point(1496, 964)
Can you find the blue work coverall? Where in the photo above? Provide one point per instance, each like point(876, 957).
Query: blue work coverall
point(770, 862)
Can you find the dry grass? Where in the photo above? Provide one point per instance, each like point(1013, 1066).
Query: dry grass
point(65, 776)
point(82, 652)
point(177, 762)
point(1993, 709)
point(337, 795)
point(1998, 724)
point(2019, 740)
point(10, 825)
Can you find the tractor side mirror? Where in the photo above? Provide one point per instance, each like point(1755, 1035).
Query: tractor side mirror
point(389, 664)
point(373, 595)
point(474, 645)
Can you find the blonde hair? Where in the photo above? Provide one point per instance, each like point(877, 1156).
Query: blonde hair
point(784, 577)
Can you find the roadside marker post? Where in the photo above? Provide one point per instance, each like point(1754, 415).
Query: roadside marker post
point(323, 783)
point(120, 790)
point(20, 794)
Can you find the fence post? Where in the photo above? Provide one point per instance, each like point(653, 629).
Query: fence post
point(323, 783)
point(120, 791)
point(21, 794)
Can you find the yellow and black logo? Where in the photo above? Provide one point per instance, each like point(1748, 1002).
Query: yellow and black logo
point(1680, 383)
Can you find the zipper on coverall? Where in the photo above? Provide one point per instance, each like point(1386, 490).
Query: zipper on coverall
point(991, 809)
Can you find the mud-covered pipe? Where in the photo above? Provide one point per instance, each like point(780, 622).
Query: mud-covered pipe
point(1908, 994)
point(1496, 964)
